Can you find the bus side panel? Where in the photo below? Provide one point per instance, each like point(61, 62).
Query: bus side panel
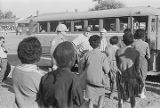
point(158, 44)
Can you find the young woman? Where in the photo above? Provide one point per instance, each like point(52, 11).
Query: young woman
point(130, 79)
point(143, 48)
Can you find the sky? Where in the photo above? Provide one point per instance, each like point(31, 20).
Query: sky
point(24, 8)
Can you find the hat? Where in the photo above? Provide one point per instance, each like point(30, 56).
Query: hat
point(103, 30)
point(87, 29)
point(61, 28)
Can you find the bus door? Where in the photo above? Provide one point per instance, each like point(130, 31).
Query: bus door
point(153, 42)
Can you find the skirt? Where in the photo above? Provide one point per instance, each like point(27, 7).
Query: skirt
point(127, 87)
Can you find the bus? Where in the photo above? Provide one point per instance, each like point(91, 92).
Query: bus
point(115, 21)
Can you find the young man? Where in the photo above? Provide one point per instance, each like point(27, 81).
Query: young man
point(61, 32)
point(103, 40)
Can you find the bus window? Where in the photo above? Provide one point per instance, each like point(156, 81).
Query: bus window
point(94, 24)
point(68, 24)
point(53, 26)
point(78, 25)
point(140, 22)
point(123, 23)
point(43, 26)
point(109, 24)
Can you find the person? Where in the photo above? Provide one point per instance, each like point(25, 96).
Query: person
point(144, 51)
point(82, 43)
point(127, 30)
point(95, 65)
point(111, 51)
point(26, 76)
point(60, 37)
point(61, 88)
point(3, 59)
point(104, 43)
point(129, 81)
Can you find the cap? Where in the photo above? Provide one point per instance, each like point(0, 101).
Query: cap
point(103, 30)
point(61, 28)
point(87, 29)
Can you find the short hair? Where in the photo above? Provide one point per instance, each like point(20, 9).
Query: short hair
point(127, 30)
point(128, 38)
point(65, 55)
point(139, 34)
point(29, 50)
point(114, 40)
point(95, 41)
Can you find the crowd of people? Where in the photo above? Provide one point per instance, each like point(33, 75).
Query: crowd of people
point(102, 63)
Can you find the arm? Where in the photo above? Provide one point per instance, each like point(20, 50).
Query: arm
point(52, 48)
point(147, 52)
point(137, 67)
point(77, 92)
point(106, 67)
point(53, 61)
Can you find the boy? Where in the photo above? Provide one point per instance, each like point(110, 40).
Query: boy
point(3, 59)
point(61, 88)
point(26, 77)
point(95, 64)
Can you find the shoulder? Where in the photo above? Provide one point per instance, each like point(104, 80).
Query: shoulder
point(47, 78)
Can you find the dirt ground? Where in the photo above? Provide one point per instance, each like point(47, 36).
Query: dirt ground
point(152, 100)
point(7, 93)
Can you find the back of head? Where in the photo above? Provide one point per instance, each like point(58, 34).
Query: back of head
point(128, 38)
point(65, 55)
point(114, 40)
point(139, 34)
point(29, 50)
point(127, 30)
point(61, 28)
point(95, 41)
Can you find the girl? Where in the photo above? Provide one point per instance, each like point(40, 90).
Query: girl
point(130, 79)
point(143, 48)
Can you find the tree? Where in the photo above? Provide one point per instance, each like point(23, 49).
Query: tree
point(107, 4)
point(6, 15)
point(1, 14)
point(99, 1)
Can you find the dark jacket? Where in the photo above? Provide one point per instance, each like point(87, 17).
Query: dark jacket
point(60, 89)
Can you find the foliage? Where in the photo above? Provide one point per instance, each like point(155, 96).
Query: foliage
point(6, 15)
point(107, 4)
